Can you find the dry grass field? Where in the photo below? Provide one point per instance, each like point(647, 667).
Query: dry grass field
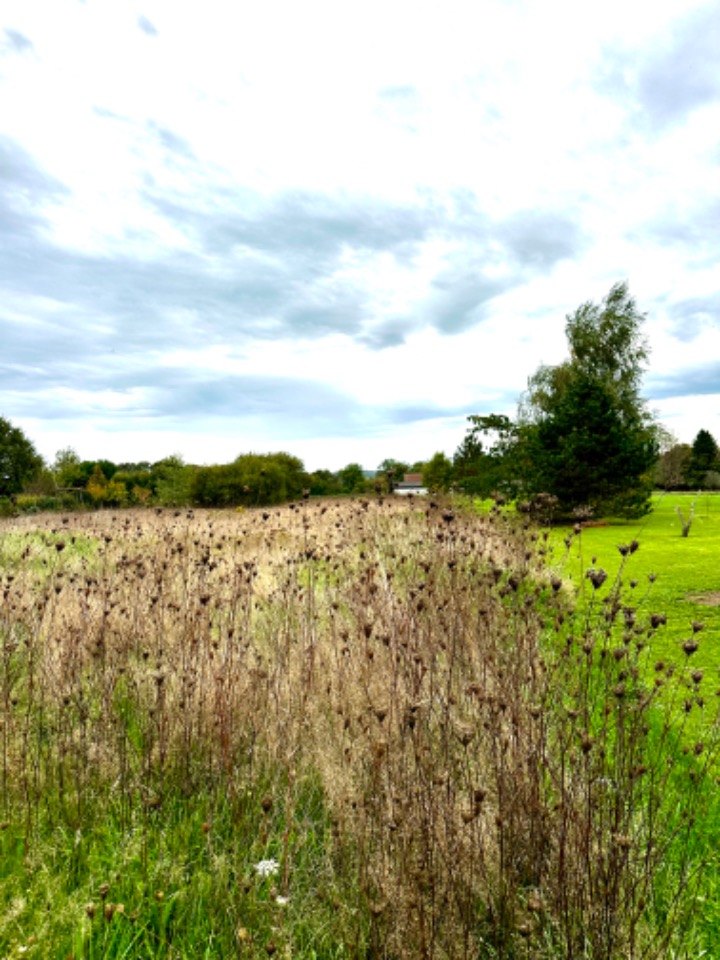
point(370, 728)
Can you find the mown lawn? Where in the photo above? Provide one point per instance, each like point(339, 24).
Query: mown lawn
point(686, 570)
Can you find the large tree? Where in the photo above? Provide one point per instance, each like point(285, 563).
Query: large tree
point(19, 460)
point(583, 432)
point(704, 458)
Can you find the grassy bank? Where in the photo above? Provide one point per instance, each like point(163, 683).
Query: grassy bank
point(361, 729)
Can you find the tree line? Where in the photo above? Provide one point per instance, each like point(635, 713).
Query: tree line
point(583, 440)
point(252, 479)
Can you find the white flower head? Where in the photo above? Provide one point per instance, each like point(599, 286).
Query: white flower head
point(267, 868)
point(282, 901)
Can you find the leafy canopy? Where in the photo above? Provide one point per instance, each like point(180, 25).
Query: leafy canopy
point(583, 433)
point(19, 460)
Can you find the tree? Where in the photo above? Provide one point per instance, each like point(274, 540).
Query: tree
point(588, 437)
point(352, 478)
point(671, 468)
point(588, 454)
point(66, 468)
point(496, 469)
point(583, 434)
point(252, 479)
point(703, 458)
point(324, 483)
point(469, 461)
point(171, 481)
point(438, 474)
point(19, 460)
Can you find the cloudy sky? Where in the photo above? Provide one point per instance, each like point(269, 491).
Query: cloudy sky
point(338, 227)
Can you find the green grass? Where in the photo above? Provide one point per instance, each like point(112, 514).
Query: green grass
point(177, 881)
point(668, 574)
point(684, 568)
point(41, 553)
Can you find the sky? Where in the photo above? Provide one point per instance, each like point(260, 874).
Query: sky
point(338, 228)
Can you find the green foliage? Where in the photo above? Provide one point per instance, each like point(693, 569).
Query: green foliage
point(483, 472)
point(19, 460)
point(468, 462)
point(583, 433)
point(171, 481)
point(325, 483)
point(438, 473)
point(66, 468)
point(587, 435)
point(704, 457)
point(352, 478)
point(251, 480)
point(586, 452)
point(607, 343)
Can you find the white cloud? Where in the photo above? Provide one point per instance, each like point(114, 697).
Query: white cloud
point(388, 208)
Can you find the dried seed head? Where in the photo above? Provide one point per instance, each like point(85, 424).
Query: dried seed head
point(465, 732)
point(596, 577)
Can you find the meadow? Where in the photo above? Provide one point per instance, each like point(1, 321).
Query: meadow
point(380, 728)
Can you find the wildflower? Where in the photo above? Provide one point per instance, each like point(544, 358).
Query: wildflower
point(267, 868)
point(282, 901)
